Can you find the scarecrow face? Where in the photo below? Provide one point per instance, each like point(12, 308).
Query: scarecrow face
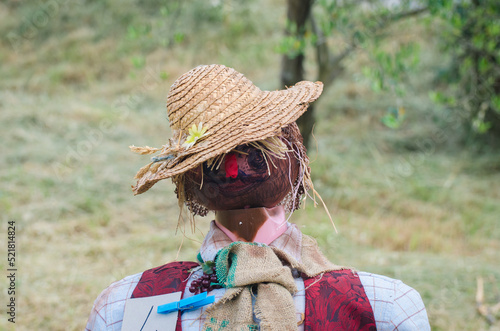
point(243, 180)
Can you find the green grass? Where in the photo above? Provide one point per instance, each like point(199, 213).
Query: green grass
point(408, 203)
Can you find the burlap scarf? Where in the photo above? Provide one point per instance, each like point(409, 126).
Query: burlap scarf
point(251, 270)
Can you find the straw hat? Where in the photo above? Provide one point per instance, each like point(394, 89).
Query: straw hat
point(211, 110)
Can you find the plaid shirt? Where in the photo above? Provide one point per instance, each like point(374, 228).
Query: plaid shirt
point(396, 306)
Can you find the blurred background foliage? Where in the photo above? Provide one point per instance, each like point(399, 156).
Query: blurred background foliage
point(468, 32)
point(404, 149)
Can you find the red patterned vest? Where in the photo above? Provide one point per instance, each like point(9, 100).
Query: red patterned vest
point(336, 301)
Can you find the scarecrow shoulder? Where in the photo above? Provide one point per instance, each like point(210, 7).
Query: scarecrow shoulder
point(396, 306)
point(107, 312)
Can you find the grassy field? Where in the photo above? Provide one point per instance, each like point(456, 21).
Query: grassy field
point(80, 83)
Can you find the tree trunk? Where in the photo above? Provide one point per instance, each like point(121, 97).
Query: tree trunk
point(292, 69)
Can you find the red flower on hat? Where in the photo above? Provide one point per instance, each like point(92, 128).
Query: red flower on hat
point(231, 165)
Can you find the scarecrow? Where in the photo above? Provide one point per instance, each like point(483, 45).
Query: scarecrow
point(237, 151)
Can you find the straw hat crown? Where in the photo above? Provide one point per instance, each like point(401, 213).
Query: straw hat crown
point(212, 109)
point(208, 94)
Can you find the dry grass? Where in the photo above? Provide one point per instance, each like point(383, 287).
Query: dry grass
point(71, 104)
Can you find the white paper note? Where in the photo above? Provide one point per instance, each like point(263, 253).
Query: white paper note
point(140, 313)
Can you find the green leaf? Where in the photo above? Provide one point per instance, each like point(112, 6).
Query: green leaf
point(478, 41)
point(493, 29)
point(138, 62)
point(164, 11)
point(394, 117)
point(482, 127)
point(390, 122)
point(484, 66)
point(132, 32)
point(495, 101)
point(359, 36)
point(436, 97)
point(208, 267)
point(179, 37)
point(164, 75)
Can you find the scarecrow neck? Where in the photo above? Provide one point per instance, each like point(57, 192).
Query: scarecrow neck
point(261, 225)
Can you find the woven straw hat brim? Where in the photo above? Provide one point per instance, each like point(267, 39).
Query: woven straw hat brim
point(260, 117)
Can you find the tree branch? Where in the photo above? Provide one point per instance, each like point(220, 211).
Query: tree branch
point(409, 13)
point(322, 51)
point(329, 67)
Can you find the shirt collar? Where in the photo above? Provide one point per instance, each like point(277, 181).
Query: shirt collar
point(290, 241)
